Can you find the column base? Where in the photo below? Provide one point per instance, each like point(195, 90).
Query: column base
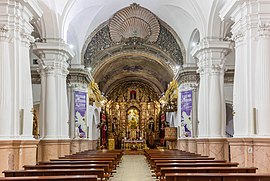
point(78, 145)
point(251, 152)
point(52, 149)
point(213, 147)
point(16, 153)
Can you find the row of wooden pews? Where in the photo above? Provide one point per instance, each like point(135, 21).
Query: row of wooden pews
point(91, 165)
point(177, 165)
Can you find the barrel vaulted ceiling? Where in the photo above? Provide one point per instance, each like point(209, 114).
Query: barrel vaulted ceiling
point(76, 20)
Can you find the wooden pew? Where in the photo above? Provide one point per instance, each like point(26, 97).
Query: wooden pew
point(114, 162)
point(111, 166)
point(186, 161)
point(152, 160)
point(56, 172)
point(217, 177)
point(70, 166)
point(165, 170)
point(49, 178)
point(161, 165)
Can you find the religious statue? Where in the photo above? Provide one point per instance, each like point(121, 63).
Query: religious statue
point(133, 94)
point(35, 131)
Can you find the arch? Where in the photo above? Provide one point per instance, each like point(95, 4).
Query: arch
point(50, 25)
point(194, 40)
point(95, 122)
point(215, 26)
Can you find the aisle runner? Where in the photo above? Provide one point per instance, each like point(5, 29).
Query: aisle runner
point(133, 168)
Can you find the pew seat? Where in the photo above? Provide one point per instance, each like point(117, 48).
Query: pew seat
point(48, 178)
point(56, 172)
point(216, 177)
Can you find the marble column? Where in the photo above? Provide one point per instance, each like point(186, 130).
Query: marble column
point(211, 104)
point(53, 70)
point(262, 77)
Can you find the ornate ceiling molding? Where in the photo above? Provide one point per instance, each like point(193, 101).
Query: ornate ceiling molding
point(99, 47)
point(134, 21)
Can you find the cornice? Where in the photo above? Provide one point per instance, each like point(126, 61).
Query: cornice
point(78, 75)
point(187, 75)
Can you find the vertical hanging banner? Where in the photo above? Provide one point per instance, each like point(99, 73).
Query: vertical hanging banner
point(186, 113)
point(103, 129)
point(80, 113)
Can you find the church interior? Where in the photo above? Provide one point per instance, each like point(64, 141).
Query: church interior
point(135, 90)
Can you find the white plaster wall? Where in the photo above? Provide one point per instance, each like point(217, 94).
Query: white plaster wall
point(228, 93)
point(36, 89)
point(93, 120)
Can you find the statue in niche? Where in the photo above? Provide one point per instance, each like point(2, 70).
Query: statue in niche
point(132, 94)
point(35, 130)
point(151, 125)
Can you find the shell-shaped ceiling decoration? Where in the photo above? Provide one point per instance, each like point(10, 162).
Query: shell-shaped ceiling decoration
point(134, 21)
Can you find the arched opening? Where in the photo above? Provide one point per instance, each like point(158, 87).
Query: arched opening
point(95, 131)
point(194, 40)
point(229, 120)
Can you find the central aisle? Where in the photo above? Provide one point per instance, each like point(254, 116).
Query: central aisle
point(133, 168)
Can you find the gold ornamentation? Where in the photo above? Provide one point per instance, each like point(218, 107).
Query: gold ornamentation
point(95, 95)
point(35, 131)
point(169, 100)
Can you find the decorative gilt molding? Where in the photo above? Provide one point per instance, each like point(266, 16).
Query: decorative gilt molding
point(95, 95)
point(169, 100)
point(100, 47)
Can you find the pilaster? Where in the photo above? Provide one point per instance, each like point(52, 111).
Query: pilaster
point(251, 81)
point(211, 103)
point(78, 80)
point(53, 70)
point(16, 96)
point(262, 77)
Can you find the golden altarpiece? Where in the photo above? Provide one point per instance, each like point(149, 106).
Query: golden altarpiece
point(133, 113)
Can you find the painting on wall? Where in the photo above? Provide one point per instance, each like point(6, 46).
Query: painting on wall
point(186, 113)
point(80, 113)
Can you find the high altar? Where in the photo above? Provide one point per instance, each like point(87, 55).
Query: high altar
point(133, 115)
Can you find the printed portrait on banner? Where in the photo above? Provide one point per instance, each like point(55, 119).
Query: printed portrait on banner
point(186, 113)
point(80, 113)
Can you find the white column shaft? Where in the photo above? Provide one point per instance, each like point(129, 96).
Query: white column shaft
point(26, 92)
point(239, 92)
point(262, 88)
point(202, 111)
point(215, 106)
point(65, 110)
point(5, 89)
point(51, 108)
